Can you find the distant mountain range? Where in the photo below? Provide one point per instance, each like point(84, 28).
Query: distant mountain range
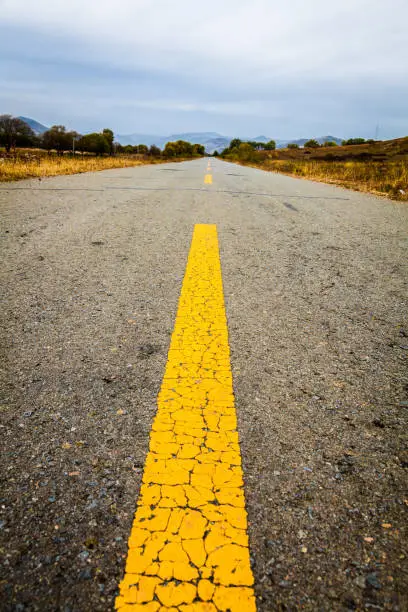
point(281, 144)
point(38, 128)
point(212, 141)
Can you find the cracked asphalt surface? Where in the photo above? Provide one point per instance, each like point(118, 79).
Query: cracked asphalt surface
point(315, 293)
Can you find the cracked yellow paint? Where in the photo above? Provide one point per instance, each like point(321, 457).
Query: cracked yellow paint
point(208, 179)
point(188, 548)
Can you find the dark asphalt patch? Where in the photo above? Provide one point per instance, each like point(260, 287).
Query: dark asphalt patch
point(147, 350)
point(290, 206)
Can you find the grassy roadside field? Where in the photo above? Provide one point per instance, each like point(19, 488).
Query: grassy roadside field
point(380, 167)
point(389, 179)
point(28, 165)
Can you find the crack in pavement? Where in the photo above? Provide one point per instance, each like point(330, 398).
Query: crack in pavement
point(122, 188)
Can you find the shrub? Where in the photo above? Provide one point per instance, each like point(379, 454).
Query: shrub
point(270, 146)
point(311, 144)
point(353, 141)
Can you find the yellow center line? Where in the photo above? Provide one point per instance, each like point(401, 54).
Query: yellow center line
point(208, 179)
point(188, 548)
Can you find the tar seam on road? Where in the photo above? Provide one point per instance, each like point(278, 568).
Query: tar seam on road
point(188, 548)
point(290, 206)
point(203, 190)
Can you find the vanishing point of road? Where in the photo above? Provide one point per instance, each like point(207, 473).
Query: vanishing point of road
point(204, 393)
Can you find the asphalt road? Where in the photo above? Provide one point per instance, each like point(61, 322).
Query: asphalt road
point(315, 294)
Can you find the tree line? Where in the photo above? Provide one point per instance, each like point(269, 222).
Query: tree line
point(238, 147)
point(179, 148)
point(314, 144)
point(14, 132)
point(248, 150)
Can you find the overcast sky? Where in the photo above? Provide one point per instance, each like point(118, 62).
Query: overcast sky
point(282, 68)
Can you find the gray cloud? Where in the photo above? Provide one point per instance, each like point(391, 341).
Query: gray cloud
point(237, 66)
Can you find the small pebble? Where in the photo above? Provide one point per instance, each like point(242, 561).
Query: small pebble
point(372, 580)
point(83, 555)
point(85, 574)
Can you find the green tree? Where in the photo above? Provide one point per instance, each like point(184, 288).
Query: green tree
point(311, 144)
point(154, 151)
point(94, 143)
point(57, 138)
point(330, 143)
point(184, 148)
point(293, 145)
point(216, 154)
point(180, 148)
point(14, 131)
point(246, 152)
point(128, 149)
point(235, 142)
point(108, 135)
point(142, 149)
point(270, 146)
point(353, 141)
point(198, 149)
point(170, 150)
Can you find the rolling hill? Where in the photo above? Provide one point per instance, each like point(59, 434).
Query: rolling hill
point(38, 128)
point(281, 144)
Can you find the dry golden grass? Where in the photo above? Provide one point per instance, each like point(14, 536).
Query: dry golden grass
point(388, 178)
point(21, 167)
point(380, 167)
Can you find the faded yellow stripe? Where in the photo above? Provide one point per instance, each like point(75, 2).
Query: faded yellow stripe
point(208, 179)
point(188, 548)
